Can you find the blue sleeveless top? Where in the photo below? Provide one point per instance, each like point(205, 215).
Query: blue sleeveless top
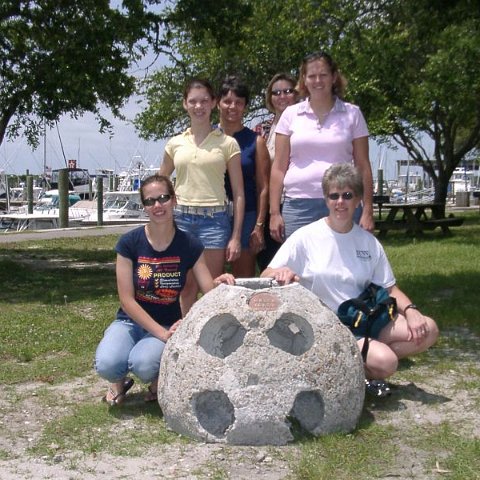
point(247, 140)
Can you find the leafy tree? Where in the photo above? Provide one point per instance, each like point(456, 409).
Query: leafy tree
point(67, 56)
point(417, 69)
point(413, 66)
point(271, 37)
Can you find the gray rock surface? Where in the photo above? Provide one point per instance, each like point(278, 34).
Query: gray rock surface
point(249, 366)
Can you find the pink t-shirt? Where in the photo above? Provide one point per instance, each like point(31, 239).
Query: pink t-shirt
point(315, 147)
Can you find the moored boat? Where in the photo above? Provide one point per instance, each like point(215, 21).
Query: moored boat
point(45, 214)
point(119, 208)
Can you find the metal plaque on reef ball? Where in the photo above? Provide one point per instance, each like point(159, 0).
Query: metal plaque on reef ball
point(264, 301)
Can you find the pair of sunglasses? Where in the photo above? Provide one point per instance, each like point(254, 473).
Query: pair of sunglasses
point(286, 91)
point(344, 195)
point(163, 198)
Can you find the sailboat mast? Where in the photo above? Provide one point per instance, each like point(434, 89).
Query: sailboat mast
point(44, 149)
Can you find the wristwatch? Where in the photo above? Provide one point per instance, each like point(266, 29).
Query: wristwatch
point(412, 305)
point(259, 224)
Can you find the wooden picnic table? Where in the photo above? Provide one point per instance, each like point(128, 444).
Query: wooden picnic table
point(415, 218)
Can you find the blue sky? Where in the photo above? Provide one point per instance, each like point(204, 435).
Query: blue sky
point(82, 141)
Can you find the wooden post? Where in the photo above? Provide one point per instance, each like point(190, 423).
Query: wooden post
point(100, 203)
point(63, 201)
point(380, 191)
point(30, 194)
point(7, 193)
point(380, 181)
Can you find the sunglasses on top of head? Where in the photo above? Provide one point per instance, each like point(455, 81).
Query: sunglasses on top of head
point(150, 201)
point(286, 91)
point(344, 195)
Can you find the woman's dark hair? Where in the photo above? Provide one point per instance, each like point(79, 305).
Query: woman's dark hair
point(198, 83)
point(340, 84)
point(235, 85)
point(156, 178)
point(343, 175)
point(268, 94)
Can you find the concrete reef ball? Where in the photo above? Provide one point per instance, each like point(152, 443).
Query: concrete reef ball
point(253, 363)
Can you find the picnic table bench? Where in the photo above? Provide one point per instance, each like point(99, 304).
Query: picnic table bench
point(476, 194)
point(415, 218)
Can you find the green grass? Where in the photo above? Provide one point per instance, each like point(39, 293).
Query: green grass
point(93, 428)
point(211, 471)
point(344, 457)
point(57, 297)
point(441, 273)
point(460, 459)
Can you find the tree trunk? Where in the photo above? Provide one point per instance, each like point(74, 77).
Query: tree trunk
point(441, 191)
point(5, 118)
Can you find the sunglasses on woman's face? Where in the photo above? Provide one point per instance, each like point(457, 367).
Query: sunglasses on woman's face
point(344, 195)
point(286, 91)
point(163, 198)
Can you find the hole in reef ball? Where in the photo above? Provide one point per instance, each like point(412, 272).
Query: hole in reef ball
point(292, 334)
point(214, 411)
point(222, 335)
point(308, 409)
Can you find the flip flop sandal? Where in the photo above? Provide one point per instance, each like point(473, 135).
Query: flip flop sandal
point(117, 398)
point(151, 396)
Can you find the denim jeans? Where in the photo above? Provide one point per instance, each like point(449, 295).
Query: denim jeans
point(127, 347)
point(298, 212)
